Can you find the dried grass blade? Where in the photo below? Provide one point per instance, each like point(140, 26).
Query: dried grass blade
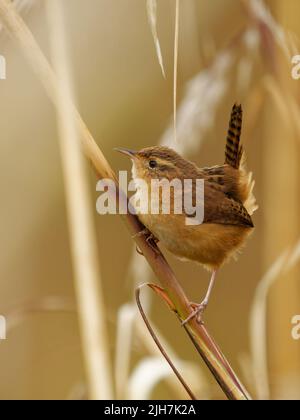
point(152, 17)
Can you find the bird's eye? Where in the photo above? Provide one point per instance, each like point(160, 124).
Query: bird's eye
point(152, 164)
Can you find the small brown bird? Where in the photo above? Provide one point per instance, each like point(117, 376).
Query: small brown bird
point(228, 204)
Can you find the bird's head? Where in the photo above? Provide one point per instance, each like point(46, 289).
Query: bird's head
point(157, 163)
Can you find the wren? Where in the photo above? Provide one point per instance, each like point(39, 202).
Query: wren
point(228, 205)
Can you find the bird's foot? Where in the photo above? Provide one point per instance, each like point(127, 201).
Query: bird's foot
point(144, 232)
point(139, 251)
point(198, 310)
point(151, 240)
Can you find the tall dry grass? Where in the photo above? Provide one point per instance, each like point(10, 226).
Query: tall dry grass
point(256, 81)
point(91, 307)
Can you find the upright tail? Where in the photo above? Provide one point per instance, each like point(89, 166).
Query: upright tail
point(234, 150)
point(234, 156)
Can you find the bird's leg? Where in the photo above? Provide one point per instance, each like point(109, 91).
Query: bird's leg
point(198, 309)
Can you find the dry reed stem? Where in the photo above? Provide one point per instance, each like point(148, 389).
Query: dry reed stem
point(204, 343)
point(176, 41)
point(127, 317)
point(152, 17)
point(130, 330)
point(160, 345)
point(90, 299)
point(259, 333)
point(258, 319)
point(198, 383)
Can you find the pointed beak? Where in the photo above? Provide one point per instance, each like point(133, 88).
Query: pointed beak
point(127, 152)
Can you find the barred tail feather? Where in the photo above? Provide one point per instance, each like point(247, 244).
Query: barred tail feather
point(234, 150)
point(235, 157)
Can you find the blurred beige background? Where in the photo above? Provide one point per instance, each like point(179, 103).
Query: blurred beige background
point(125, 101)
